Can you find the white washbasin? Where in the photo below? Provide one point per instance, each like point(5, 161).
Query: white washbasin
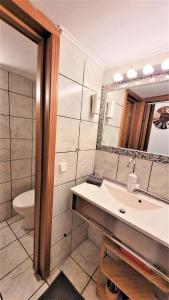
point(136, 209)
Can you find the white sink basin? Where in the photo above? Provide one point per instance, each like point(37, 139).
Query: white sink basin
point(136, 209)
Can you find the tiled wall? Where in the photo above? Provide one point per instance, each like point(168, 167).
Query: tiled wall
point(17, 122)
point(75, 144)
point(152, 176)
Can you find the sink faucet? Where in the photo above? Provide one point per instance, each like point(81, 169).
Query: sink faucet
point(134, 163)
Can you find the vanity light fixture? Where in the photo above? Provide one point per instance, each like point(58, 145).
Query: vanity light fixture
point(118, 77)
point(165, 64)
point(131, 73)
point(95, 103)
point(110, 109)
point(148, 69)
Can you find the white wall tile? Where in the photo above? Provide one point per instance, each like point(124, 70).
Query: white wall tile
point(4, 126)
point(71, 60)
point(62, 177)
point(4, 102)
point(4, 149)
point(62, 198)
point(142, 170)
point(86, 106)
point(93, 76)
point(61, 224)
point(5, 192)
point(67, 134)
point(60, 251)
point(20, 84)
point(88, 135)
point(5, 171)
point(85, 164)
point(123, 170)
point(20, 168)
point(3, 79)
point(159, 180)
point(106, 164)
point(5, 211)
point(69, 98)
point(20, 106)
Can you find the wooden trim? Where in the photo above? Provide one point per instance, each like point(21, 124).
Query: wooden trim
point(21, 15)
point(156, 99)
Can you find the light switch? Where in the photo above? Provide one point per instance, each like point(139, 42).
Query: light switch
point(63, 167)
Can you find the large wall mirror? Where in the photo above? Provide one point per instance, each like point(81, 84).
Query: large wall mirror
point(135, 115)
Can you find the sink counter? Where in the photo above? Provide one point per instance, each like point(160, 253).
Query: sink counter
point(146, 214)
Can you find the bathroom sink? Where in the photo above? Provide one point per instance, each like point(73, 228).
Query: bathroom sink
point(135, 209)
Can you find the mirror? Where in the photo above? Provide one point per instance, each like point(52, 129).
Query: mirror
point(137, 117)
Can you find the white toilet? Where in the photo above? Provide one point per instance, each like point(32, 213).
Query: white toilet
point(23, 204)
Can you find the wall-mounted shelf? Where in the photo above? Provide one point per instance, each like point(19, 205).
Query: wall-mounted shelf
point(130, 277)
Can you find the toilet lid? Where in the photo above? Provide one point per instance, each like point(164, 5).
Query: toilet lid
point(26, 199)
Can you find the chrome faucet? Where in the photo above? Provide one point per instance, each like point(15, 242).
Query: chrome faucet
point(134, 163)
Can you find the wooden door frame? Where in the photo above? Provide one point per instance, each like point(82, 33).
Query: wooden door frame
point(28, 20)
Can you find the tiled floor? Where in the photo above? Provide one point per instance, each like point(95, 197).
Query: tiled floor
point(18, 281)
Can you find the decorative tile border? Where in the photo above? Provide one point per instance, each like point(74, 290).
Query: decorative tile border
point(124, 151)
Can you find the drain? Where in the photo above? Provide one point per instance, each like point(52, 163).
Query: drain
point(122, 211)
point(139, 201)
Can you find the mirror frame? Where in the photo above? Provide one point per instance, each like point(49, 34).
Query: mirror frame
point(125, 85)
point(22, 16)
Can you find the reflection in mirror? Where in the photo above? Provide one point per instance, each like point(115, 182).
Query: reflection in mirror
point(138, 118)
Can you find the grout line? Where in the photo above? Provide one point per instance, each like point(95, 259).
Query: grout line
point(15, 268)
point(149, 176)
point(74, 151)
point(10, 140)
point(117, 166)
point(66, 117)
point(37, 290)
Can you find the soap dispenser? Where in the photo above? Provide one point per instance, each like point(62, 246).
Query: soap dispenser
point(132, 182)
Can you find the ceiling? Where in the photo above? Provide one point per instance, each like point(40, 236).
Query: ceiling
point(116, 32)
point(152, 90)
point(17, 53)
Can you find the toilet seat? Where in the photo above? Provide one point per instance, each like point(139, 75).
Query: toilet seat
point(25, 201)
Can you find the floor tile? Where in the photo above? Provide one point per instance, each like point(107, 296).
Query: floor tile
point(53, 274)
point(75, 274)
point(10, 257)
point(28, 241)
point(18, 229)
point(21, 283)
point(14, 219)
point(6, 236)
point(86, 255)
point(95, 275)
point(39, 292)
point(3, 224)
point(90, 291)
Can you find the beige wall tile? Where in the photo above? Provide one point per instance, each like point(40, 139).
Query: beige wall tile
point(22, 276)
point(159, 180)
point(20, 85)
point(81, 180)
point(59, 252)
point(5, 211)
point(5, 192)
point(4, 127)
point(142, 170)
point(86, 106)
point(4, 102)
point(75, 274)
point(20, 106)
point(21, 149)
point(85, 164)
point(62, 198)
point(79, 235)
point(106, 164)
point(20, 168)
point(69, 98)
point(5, 171)
point(21, 128)
point(3, 79)
point(93, 75)
point(71, 60)
point(4, 149)
point(20, 186)
point(61, 224)
point(62, 177)
point(123, 170)
point(67, 134)
point(88, 135)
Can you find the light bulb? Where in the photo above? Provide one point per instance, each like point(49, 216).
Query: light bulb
point(148, 69)
point(118, 77)
point(131, 73)
point(165, 64)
